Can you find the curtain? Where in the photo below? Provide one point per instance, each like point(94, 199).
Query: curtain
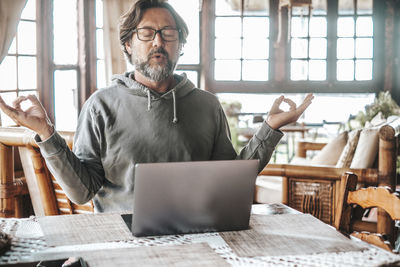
point(114, 57)
point(10, 13)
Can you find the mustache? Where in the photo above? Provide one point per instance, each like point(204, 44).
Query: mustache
point(159, 50)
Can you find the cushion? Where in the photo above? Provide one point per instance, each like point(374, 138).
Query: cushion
point(379, 119)
point(300, 161)
point(367, 149)
point(346, 157)
point(329, 154)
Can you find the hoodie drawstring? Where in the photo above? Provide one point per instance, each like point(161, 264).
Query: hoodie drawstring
point(148, 100)
point(175, 119)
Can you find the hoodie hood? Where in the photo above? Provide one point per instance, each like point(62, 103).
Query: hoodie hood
point(182, 88)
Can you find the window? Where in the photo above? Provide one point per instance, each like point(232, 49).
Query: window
point(355, 40)
point(65, 43)
point(329, 47)
point(100, 61)
point(189, 62)
point(309, 43)
point(241, 45)
point(19, 68)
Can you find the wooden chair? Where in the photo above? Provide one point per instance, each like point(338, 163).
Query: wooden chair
point(46, 195)
point(316, 189)
point(381, 197)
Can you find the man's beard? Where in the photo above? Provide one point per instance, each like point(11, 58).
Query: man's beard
point(155, 72)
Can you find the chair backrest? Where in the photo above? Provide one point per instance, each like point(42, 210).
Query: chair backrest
point(46, 195)
point(380, 197)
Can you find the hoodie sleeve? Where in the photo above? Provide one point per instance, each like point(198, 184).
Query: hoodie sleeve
point(260, 146)
point(80, 177)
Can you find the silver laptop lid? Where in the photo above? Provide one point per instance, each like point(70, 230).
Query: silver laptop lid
point(192, 197)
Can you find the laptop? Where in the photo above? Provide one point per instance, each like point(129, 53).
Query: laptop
point(193, 197)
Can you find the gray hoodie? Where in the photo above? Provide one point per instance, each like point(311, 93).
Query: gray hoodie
point(127, 123)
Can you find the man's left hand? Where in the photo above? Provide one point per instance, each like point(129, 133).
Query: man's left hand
point(277, 117)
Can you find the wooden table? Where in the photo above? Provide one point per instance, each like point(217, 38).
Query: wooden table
point(32, 242)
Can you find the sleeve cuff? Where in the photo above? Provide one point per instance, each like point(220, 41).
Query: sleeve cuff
point(266, 132)
point(52, 145)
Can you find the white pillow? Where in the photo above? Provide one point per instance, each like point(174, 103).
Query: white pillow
point(329, 154)
point(346, 157)
point(367, 149)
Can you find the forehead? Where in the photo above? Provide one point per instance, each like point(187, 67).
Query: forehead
point(157, 18)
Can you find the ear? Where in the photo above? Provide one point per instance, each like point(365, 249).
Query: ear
point(128, 47)
point(180, 52)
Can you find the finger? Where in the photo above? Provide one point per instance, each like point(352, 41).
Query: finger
point(17, 102)
point(292, 105)
point(277, 103)
point(8, 110)
point(33, 99)
point(307, 101)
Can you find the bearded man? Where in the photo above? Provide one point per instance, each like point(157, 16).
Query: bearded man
point(148, 115)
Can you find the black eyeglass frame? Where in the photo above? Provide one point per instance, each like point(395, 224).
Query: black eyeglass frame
point(158, 31)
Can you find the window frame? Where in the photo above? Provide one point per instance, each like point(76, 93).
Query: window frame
point(86, 66)
point(279, 70)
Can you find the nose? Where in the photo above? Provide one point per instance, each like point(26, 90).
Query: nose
point(158, 40)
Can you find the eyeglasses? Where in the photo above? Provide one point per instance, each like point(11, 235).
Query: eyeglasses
point(148, 34)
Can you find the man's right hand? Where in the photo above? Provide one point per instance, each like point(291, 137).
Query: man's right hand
point(34, 117)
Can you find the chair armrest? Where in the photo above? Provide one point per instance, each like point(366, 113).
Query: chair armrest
point(367, 176)
point(304, 146)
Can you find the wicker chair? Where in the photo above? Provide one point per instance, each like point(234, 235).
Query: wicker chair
point(46, 195)
point(315, 189)
point(381, 197)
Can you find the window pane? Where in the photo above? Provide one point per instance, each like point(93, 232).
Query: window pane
point(191, 75)
point(255, 27)
point(27, 37)
point(363, 70)
point(8, 73)
point(317, 69)
point(299, 48)
point(319, 7)
point(252, 7)
point(65, 32)
point(364, 7)
point(346, 7)
point(255, 48)
point(298, 70)
point(29, 11)
point(227, 48)
point(225, 8)
point(66, 113)
point(318, 27)
point(13, 47)
point(27, 73)
point(364, 26)
point(299, 27)
point(364, 48)
point(99, 13)
point(318, 48)
point(190, 13)
point(345, 70)
point(101, 74)
point(228, 27)
point(227, 70)
point(255, 70)
point(345, 27)
point(345, 48)
point(99, 44)
point(8, 98)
